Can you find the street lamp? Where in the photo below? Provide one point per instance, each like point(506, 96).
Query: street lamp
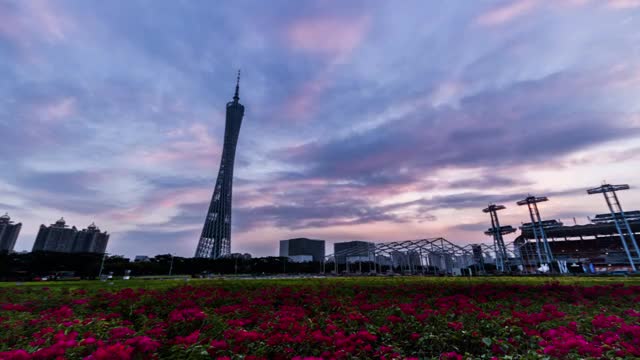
point(102, 264)
point(171, 265)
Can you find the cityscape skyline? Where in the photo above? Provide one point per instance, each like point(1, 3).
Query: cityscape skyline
point(363, 127)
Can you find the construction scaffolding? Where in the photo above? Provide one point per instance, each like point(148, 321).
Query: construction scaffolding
point(619, 218)
point(543, 251)
point(497, 232)
point(597, 247)
point(436, 256)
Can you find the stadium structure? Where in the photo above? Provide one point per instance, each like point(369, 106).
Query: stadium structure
point(606, 244)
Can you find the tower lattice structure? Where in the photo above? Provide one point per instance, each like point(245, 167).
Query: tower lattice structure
point(215, 239)
point(620, 220)
point(498, 231)
point(543, 249)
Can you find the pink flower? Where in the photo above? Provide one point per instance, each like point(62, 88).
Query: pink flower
point(121, 333)
point(15, 355)
point(189, 339)
point(191, 314)
point(116, 351)
point(219, 344)
point(143, 344)
point(450, 356)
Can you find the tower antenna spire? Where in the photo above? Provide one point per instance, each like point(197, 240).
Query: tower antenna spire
point(236, 96)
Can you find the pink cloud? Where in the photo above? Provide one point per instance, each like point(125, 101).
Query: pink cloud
point(446, 93)
point(30, 22)
point(191, 145)
point(302, 103)
point(621, 75)
point(334, 37)
point(506, 13)
point(610, 4)
point(327, 35)
point(160, 206)
point(623, 4)
point(57, 110)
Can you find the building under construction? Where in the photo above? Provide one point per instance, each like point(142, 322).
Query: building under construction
point(606, 244)
point(594, 247)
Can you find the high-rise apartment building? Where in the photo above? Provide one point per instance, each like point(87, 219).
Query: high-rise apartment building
point(59, 237)
point(8, 233)
point(56, 237)
point(91, 240)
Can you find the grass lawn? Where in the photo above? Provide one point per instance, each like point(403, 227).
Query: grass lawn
point(152, 283)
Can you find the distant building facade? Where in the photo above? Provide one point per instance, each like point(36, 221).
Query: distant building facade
point(302, 249)
point(409, 259)
point(8, 233)
point(56, 237)
point(91, 240)
point(354, 251)
point(59, 237)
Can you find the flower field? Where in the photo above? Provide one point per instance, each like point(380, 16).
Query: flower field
point(329, 319)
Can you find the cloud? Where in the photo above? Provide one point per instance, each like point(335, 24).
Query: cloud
point(364, 120)
point(193, 145)
point(323, 215)
point(495, 128)
point(506, 13)
point(57, 111)
point(334, 36)
point(473, 227)
point(623, 4)
point(26, 25)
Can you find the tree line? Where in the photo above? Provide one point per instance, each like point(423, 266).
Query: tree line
point(28, 266)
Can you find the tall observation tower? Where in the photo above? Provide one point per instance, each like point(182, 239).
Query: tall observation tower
point(215, 240)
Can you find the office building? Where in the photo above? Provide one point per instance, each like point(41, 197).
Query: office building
point(302, 249)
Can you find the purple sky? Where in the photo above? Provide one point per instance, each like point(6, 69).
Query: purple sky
point(378, 120)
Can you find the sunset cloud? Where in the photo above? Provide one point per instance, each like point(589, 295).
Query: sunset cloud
point(623, 4)
point(510, 11)
point(364, 120)
point(333, 35)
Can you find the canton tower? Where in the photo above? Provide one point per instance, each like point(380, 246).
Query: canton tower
point(215, 240)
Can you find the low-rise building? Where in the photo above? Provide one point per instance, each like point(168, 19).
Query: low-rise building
point(302, 247)
point(354, 251)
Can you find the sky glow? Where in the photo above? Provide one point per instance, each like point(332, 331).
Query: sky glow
point(364, 120)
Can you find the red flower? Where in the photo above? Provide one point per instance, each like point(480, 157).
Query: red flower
point(15, 355)
point(188, 340)
point(116, 351)
point(143, 344)
point(450, 356)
